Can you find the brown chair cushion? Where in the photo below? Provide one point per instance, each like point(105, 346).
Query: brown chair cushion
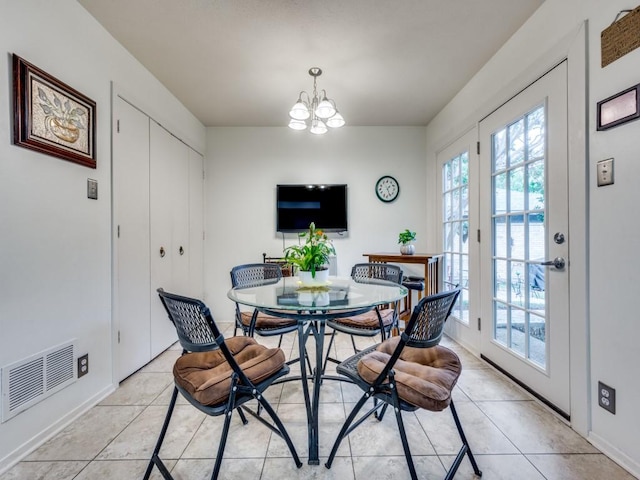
point(369, 319)
point(425, 376)
point(206, 376)
point(265, 321)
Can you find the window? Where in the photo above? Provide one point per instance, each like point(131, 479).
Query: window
point(455, 228)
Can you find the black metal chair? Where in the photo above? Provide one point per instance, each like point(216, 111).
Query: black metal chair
point(379, 321)
point(409, 372)
point(252, 322)
point(218, 376)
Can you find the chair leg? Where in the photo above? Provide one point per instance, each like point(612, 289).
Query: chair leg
point(279, 425)
point(345, 428)
point(465, 448)
point(353, 342)
point(225, 429)
point(155, 459)
point(403, 433)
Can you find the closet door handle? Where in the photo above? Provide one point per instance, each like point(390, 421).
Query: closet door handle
point(162, 252)
point(181, 250)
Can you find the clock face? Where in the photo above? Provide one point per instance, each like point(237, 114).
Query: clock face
point(387, 188)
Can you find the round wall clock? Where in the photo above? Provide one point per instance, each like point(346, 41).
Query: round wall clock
point(387, 188)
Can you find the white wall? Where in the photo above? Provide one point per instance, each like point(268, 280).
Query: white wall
point(244, 165)
point(55, 247)
point(608, 314)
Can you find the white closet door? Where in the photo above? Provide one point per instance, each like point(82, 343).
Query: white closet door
point(131, 238)
point(196, 224)
point(169, 228)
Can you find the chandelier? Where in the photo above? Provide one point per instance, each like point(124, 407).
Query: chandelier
point(319, 110)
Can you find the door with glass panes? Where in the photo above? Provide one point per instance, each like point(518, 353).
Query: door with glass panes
point(458, 183)
point(524, 249)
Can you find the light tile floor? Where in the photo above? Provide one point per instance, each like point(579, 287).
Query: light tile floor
point(511, 434)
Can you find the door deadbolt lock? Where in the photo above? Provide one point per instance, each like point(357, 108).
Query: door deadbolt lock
point(559, 238)
point(162, 252)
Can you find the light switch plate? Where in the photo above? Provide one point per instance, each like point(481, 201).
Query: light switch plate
point(92, 189)
point(605, 172)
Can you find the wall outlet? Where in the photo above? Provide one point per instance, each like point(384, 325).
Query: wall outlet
point(607, 397)
point(92, 189)
point(83, 365)
point(605, 172)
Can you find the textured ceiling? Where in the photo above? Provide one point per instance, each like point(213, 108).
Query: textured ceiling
point(243, 62)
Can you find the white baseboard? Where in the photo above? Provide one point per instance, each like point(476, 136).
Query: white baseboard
point(626, 462)
point(37, 440)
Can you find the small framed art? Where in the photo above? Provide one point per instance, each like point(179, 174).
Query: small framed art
point(51, 117)
point(619, 108)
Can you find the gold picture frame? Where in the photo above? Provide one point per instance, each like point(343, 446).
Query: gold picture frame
point(51, 117)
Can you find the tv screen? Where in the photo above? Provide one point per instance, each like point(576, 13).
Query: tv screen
point(299, 205)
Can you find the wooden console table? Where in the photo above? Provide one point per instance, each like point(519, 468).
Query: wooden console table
point(432, 265)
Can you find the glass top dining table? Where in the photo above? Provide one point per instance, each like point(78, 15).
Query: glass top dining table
point(311, 306)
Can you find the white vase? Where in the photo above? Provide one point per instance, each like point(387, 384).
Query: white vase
point(407, 249)
point(308, 281)
point(314, 298)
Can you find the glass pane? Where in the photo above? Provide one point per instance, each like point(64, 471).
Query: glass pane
point(516, 192)
point(517, 237)
point(500, 237)
point(464, 305)
point(455, 269)
point(446, 207)
point(455, 172)
point(500, 150)
point(537, 340)
point(536, 233)
point(465, 236)
point(464, 168)
point(455, 204)
point(464, 198)
point(536, 185)
point(535, 133)
point(517, 283)
point(448, 237)
point(500, 193)
point(464, 278)
point(500, 323)
point(516, 142)
point(518, 331)
point(446, 176)
point(536, 290)
point(500, 288)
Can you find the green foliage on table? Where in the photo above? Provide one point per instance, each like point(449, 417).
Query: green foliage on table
point(313, 254)
point(406, 237)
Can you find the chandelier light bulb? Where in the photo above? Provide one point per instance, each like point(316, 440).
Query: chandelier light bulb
point(299, 111)
point(318, 127)
point(297, 124)
point(336, 121)
point(325, 109)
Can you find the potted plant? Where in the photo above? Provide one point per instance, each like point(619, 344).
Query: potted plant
point(405, 238)
point(312, 256)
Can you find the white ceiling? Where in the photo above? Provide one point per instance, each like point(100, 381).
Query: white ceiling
point(243, 62)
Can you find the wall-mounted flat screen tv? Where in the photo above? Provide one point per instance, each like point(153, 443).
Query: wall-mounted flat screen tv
point(299, 205)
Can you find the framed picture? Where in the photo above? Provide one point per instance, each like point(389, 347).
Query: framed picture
point(51, 117)
point(619, 108)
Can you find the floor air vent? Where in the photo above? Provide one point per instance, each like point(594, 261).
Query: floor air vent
point(30, 380)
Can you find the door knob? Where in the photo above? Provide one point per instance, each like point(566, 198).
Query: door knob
point(558, 262)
